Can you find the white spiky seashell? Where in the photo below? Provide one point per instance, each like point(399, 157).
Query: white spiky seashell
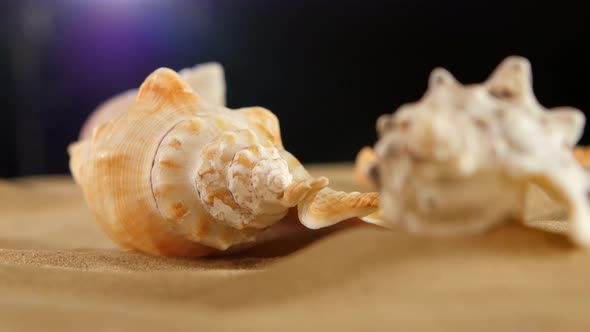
point(462, 158)
point(177, 174)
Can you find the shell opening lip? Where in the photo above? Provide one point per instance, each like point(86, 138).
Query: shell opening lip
point(154, 163)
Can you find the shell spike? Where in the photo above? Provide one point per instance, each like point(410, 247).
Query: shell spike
point(208, 80)
point(440, 77)
point(165, 85)
point(384, 124)
point(568, 122)
point(512, 79)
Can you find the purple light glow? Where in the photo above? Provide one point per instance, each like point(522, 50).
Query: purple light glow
point(110, 43)
point(114, 5)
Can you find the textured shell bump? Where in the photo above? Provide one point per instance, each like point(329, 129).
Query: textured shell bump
point(178, 173)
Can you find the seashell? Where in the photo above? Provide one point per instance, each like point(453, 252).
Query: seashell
point(461, 159)
point(206, 78)
point(176, 174)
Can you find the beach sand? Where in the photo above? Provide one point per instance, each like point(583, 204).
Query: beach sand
point(58, 272)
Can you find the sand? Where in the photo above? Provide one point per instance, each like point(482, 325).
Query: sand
point(58, 272)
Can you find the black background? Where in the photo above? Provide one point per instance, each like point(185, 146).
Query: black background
point(328, 69)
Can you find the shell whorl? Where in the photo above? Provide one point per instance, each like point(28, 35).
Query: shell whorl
point(241, 182)
point(258, 177)
point(221, 187)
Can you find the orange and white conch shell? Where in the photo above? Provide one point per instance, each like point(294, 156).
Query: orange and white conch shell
point(180, 174)
point(462, 158)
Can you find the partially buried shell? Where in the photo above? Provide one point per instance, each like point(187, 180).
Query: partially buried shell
point(176, 174)
point(463, 157)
